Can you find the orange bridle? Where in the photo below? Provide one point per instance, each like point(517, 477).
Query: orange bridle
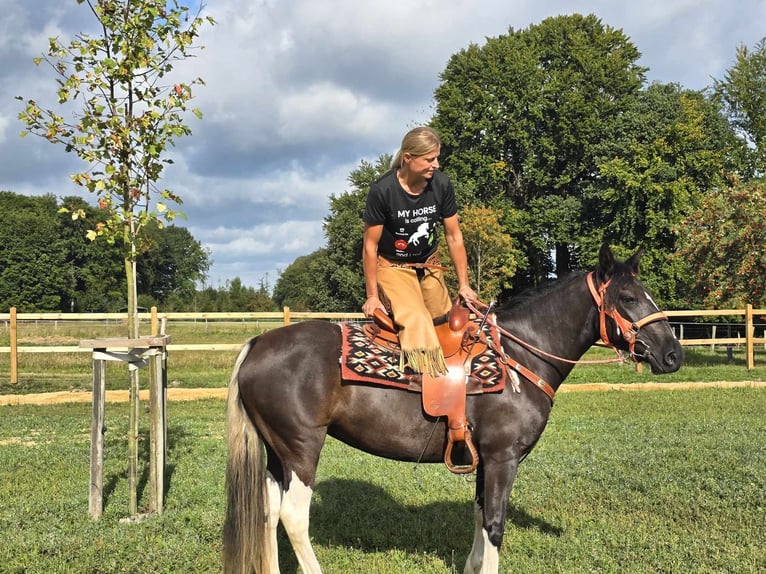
point(628, 329)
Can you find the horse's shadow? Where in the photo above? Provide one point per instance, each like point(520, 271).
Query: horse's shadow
point(364, 516)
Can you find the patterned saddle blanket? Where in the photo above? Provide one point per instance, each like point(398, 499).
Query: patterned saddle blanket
point(364, 360)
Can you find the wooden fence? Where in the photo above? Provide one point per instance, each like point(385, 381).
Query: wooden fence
point(157, 320)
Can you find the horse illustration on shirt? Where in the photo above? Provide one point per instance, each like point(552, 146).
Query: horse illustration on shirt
point(422, 232)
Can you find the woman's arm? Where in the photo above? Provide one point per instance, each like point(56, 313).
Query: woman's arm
point(459, 258)
point(372, 235)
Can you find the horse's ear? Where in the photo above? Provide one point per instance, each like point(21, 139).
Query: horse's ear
point(605, 262)
point(634, 261)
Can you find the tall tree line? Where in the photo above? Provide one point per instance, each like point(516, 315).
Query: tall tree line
point(48, 264)
point(554, 130)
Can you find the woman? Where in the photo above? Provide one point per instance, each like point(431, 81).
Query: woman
point(404, 208)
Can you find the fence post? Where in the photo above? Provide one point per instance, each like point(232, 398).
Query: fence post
point(749, 334)
point(286, 311)
point(14, 349)
point(154, 322)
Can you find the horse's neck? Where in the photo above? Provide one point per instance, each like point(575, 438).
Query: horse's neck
point(561, 322)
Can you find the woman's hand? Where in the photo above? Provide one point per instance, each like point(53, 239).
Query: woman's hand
point(370, 305)
point(468, 295)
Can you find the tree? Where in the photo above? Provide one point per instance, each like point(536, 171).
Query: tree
point(521, 118)
point(302, 286)
point(52, 266)
point(170, 269)
point(331, 278)
point(130, 113)
point(95, 270)
point(344, 230)
point(33, 274)
point(490, 251)
point(742, 93)
point(667, 149)
point(722, 243)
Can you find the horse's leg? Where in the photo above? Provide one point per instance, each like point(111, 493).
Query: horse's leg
point(473, 563)
point(295, 518)
point(270, 546)
point(492, 491)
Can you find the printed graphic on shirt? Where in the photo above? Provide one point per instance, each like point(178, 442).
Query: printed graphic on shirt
point(423, 232)
point(416, 232)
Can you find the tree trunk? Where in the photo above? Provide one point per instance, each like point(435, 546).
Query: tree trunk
point(563, 260)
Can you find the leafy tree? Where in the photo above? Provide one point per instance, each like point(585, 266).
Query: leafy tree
point(521, 118)
point(722, 243)
point(743, 95)
point(665, 151)
point(95, 270)
point(233, 296)
point(130, 113)
point(32, 271)
point(170, 269)
point(331, 279)
point(67, 272)
point(491, 253)
point(302, 285)
point(344, 230)
point(242, 298)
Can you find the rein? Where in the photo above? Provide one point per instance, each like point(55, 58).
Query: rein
point(628, 329)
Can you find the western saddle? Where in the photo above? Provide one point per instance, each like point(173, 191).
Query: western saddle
point(461, 341)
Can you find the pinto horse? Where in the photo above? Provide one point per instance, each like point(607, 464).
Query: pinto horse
point(286, 395)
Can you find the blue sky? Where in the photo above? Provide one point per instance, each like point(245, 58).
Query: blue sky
point(299, 92)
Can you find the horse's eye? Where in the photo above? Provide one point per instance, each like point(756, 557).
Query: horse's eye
point(628, 300)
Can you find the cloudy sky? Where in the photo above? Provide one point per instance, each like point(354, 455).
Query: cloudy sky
point(300, 91)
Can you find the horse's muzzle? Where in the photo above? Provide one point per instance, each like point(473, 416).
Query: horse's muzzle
point(663, 360)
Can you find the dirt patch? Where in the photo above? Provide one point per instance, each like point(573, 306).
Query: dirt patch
point(220, 393)
point(111, 396)
point(594, 387)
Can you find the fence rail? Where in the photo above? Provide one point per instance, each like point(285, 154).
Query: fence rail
point(157, 322)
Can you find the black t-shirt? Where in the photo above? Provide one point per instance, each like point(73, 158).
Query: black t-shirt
point(409, 221)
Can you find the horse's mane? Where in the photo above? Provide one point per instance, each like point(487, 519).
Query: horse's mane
point(530, 294)
point(621, 273)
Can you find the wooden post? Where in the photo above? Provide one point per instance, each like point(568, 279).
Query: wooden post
point(14, 349)
point(97, 430)
point(138, 351)
point(286, 311)
point(154, 322)
point(158, 428)
point(134, 406)
point(749, 334)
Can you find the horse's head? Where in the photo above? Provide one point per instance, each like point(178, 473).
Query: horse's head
point(629, 318)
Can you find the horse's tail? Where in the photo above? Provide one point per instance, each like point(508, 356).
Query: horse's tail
point(244, 528)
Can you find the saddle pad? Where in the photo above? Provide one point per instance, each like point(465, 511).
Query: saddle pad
point(363, 360)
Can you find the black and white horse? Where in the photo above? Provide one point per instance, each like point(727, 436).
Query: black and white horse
point(286, 395)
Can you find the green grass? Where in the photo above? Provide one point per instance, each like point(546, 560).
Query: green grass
point(620, 482)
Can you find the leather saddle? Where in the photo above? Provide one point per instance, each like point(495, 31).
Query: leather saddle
point(461, 341)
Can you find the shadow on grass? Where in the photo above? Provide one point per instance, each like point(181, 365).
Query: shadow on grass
point(364, 516)
point(174, 437)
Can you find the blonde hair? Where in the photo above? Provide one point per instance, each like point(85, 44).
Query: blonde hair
point(417, 142)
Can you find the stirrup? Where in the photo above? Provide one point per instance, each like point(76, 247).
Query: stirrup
point(461, 434)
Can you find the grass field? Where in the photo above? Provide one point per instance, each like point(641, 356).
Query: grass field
point(668, 481)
